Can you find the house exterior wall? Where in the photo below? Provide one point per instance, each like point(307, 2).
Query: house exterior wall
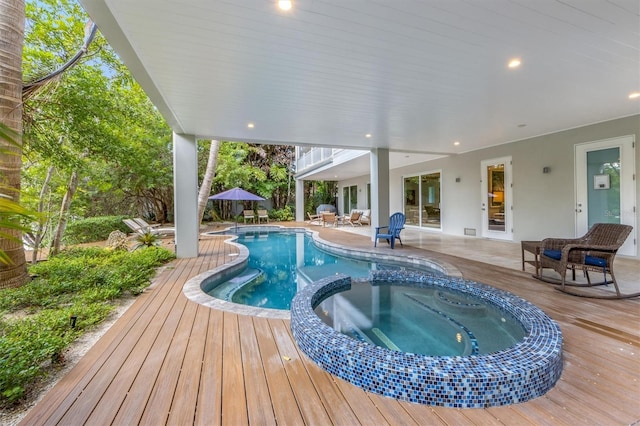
point(543, 203)
point(361, 182)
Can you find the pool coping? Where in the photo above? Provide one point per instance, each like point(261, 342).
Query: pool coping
point(192, 289)
point(517, 374)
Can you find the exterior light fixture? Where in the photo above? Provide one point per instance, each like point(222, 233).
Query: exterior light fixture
point(285, 4)
point(515, 63)
point(634, 95)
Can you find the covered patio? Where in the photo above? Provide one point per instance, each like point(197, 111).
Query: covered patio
point(168, 360)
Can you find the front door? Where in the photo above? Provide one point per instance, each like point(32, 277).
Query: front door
point(496, 198)
point(605, 187)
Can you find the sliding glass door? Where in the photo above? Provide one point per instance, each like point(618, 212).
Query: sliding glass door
point(422, 200)
point(349, 199)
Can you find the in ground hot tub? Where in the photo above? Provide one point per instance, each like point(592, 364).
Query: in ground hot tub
point(519, 373)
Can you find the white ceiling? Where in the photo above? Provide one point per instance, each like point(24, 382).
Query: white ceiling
point(416, 75)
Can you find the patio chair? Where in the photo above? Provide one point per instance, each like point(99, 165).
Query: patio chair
point(329, 218)
point(314, 219)
point(249, 214)
point(353, 219)
point(396, 224)
point(263, 214)
point(595, 252)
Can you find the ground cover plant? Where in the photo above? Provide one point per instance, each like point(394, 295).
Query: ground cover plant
point(71, 292)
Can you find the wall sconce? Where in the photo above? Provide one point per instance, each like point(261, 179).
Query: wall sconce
point(546, 169)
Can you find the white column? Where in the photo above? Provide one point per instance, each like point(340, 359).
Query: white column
point(379, 188)
point(300, 200)
point(185, 194)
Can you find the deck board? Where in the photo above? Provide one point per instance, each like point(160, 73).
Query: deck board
point(170, 361)
point(234, 406)
point(282, 396)
point(186, 394)
point(309, 403)
point(209, 405)
point(258, 399)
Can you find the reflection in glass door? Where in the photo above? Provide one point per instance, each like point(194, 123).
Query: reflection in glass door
point(496, 198)
point(422, 200)
point(430, 197)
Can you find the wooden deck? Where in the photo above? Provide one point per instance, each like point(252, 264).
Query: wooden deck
point(170, 361)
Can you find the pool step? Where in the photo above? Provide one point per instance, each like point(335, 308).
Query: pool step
point(226, 289)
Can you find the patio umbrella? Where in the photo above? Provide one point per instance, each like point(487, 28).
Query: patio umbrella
point(236, 194)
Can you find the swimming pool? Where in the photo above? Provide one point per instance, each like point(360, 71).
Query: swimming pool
point(197, 287)
point(281, 263)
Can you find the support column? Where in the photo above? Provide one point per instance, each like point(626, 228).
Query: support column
point(300, 200)
point(185, 194)
point(379, 188)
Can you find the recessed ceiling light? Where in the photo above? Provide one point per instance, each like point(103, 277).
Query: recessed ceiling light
point(515, 63)
point(634, 95)
point(250, 125)
point(456, 143)
point(285, 4)
point(368, 135)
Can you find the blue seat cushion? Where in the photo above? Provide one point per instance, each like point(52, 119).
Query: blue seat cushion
point(554, 254)
point(595, 261)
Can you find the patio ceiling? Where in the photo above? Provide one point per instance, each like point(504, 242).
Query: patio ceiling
point(415, 75)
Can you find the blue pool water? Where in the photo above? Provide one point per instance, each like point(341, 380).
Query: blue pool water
point(280, 264)
point(429, 320)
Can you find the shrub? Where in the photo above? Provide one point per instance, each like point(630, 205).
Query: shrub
point(93, 229)
point(283, 214)
point(35, 327)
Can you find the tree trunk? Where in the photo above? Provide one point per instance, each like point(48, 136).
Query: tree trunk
point(42, 221)
point(12, 18)
point(207, 180)
point(64, 210)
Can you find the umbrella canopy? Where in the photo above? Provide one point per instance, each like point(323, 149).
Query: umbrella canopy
point(236, 194)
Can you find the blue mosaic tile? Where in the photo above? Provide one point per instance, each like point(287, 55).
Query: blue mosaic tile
point(518, 374)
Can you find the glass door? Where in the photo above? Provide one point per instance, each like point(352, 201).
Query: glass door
point(430, 200)
point(422, 200)
point(605, 188)
point(496, 198)
point(412, 200)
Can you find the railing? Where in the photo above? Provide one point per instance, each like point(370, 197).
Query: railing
point(314, 156)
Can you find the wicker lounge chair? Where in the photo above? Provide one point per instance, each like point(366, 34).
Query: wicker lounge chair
point(396, 224)
point(595, 252)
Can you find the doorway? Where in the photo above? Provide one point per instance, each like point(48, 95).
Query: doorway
point(605, 187)
point(496, 198)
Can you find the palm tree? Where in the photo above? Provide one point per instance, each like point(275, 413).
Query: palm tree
point(12, 20)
